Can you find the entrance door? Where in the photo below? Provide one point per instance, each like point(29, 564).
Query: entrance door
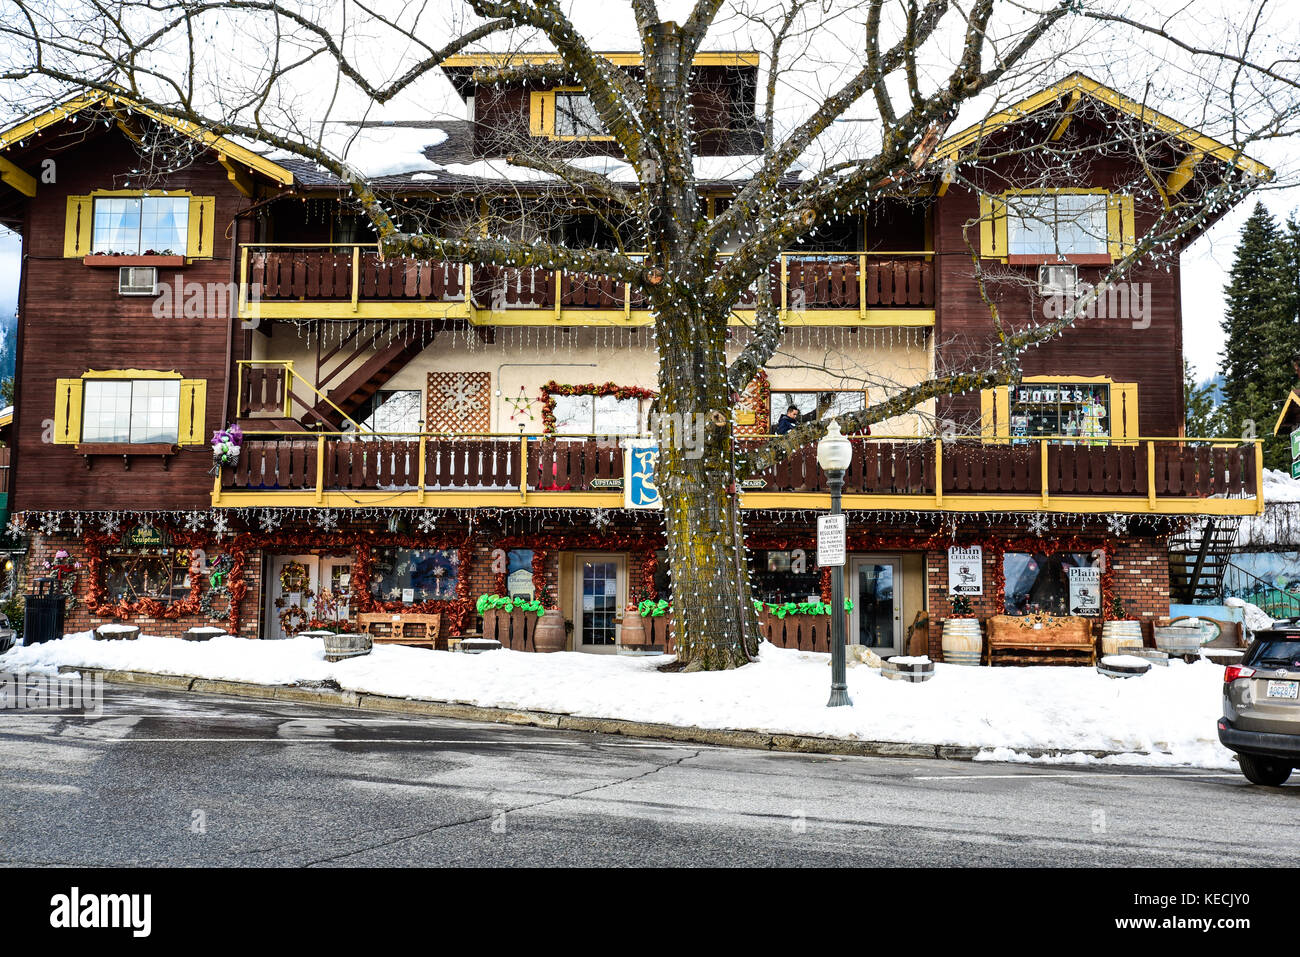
point(876, 620)
point(336, 577)
point(598, 597)
point(290, 598)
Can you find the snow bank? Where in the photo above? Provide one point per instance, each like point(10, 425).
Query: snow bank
point(1256, 618)
point(1169, 711)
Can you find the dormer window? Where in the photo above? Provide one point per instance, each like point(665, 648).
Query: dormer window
point(565, 113)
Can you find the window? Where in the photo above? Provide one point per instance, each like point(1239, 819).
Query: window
point(141, 225)
point(145, 572)
point(1045, 583)
point(816, 405)
point(138, 411)
point(1060, 408)
point(414, 574)
point(576, 116)
point(786, 575)
point(597, 415)
point(519, 573)
point(393, 411)
point(1057, 224)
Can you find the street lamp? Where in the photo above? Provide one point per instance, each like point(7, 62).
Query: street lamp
point(834, 455)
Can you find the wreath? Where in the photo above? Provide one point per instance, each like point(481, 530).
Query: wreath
point(293, 620)
point(205, 603)
point(294, 577)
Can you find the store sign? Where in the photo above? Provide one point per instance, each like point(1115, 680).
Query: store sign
point(145, 536)
point(1295, 453)
point(832, 532)
point(641, 490)
point(1085, 591)
point(966, 570)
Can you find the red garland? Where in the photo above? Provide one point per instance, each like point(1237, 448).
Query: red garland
point(553, 388)
point(145, 607)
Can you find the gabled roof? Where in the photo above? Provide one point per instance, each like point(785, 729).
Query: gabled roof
point(703, 58)
point(1077, 85)
point(1290, 412)
point(233, 151)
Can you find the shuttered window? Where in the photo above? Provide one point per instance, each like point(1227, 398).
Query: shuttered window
point(112, 408)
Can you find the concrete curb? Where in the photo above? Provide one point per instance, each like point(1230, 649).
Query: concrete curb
point(364, 701)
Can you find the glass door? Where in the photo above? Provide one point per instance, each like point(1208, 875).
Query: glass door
point(291, 597)
point(876, 619)
point(598, 586)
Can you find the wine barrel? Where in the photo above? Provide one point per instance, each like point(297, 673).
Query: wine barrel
point(913, 670)
point(962, 641)
point(549, 635)
point(114, 631)
point(343, 645)
point(633, 633)
point(204, 633)
point(1120, 634)
point(1123, 666)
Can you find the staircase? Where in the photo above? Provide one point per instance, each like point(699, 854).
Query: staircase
point(373, 374)
point(1198, 558)
point(1276, 602)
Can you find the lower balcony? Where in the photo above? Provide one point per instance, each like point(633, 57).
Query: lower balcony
point(1154, 476)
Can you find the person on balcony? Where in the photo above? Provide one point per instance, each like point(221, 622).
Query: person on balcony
point(787, 421)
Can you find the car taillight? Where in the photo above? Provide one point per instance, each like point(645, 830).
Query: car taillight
point(1233, 672)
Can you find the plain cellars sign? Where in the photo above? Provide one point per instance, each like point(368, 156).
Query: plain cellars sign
point(966, 570)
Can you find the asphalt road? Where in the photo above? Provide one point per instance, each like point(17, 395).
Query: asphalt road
point(163, 778)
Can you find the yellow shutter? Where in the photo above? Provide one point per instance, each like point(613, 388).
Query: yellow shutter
point(993, 228)
point(67, 411)
point(202, 213)
point(194, 401)
point(77, 227)
point(1119, 225)
point(537, 110)
point(1124, 410)
point(995, 416)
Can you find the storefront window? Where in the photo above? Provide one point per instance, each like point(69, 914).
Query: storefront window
point(155, 572)
point(1041, 582)
point(414, 574)
point(519, 573)
point(782, 576)
point(1060, 408)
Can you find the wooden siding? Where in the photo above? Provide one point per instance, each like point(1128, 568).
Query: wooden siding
point(73, 320)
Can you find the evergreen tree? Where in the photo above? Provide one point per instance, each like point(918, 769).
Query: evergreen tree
point(1261, 334)
point(1204, 414)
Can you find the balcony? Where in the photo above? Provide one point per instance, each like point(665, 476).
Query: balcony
point(353, 282)
point(1155, 476)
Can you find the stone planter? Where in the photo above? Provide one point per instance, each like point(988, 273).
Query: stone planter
point(117, 632)
point(550, 634)
point(339, 646)
point(963, 642)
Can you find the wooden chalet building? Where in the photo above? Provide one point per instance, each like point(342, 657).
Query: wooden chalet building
point(416, 434)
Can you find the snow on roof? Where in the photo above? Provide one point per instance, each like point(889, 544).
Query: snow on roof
point(1280, 523)
point(389, 150)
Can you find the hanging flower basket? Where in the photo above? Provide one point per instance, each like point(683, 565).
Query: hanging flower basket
point(226, 445)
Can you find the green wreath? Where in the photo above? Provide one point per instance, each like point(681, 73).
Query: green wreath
point(205, 603)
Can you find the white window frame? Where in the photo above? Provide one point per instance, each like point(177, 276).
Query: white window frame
point(136, 406)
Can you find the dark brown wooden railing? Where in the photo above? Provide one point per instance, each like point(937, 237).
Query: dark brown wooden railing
point(1179, 469)
point(326, 274)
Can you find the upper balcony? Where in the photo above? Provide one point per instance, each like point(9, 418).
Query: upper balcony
point(1135, 476)
point(332, 281)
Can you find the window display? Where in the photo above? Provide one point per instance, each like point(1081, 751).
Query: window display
point(412, 575)
point(1060, 409)
point(1043, 582)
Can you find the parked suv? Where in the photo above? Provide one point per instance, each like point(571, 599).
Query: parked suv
point(1261, 706)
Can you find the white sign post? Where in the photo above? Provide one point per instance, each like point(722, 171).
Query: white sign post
point(832, 532)
point(965, 570)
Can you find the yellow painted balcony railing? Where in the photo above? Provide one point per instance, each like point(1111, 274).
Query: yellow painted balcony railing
point(342, 281)
point(1157, 476)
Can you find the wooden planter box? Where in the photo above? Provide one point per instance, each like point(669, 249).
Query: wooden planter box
point(805, 632)
point(1040, 639)
point(515, 630)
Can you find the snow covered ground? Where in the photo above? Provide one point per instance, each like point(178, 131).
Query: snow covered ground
point(1169, 713)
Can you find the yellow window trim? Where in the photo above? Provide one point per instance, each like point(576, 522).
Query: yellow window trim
point(78, 232)
point(1120, 229)
point(541, 116)
point(70, 395)
point(130, 374)
point(995, 407)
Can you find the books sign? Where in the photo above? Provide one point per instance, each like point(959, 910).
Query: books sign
point(965, 570)
point(832, 530)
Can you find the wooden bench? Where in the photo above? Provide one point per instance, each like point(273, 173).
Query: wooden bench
point(1039, 639)
point(401, 628)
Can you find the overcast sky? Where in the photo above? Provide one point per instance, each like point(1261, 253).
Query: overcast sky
point(1144, 69)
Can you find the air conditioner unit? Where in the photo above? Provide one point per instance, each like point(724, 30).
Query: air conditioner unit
point(137, 281)
point(1058, 279)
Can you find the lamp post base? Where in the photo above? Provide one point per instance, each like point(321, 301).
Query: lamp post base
point(839, 698)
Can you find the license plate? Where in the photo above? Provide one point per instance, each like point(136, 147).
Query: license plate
point(1283, 689)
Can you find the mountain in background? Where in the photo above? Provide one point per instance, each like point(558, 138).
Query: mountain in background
point(8, 344)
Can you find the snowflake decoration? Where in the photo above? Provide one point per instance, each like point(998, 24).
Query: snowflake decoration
point(110, 523)
point(461, 397)
point(195, 521)
point(1038, 524)
point(78, 521)
point(427, 523)
point(50, 523)
point(328, 521)
point(17, 527)
point(268, 521)
point(1117, 525)
point(601, 518)
point(220, 525)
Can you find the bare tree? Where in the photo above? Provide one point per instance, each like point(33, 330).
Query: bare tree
point(915, 68)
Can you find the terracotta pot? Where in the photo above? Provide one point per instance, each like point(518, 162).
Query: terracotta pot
point(549, 635)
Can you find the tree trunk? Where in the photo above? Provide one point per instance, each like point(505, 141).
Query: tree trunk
point(713, 617)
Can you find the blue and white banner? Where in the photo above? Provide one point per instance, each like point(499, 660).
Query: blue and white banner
point(640, 489)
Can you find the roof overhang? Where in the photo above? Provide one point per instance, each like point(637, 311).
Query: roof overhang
point(747, 58)
point(228, 151)
point(957, 146)
point(1290, 414)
